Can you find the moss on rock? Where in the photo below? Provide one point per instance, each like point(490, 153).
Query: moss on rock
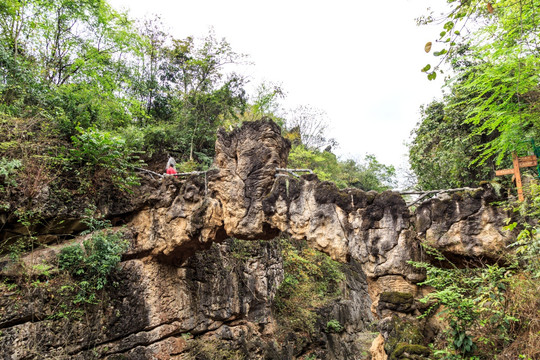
point(399, 331)
point(409, 351)
point(396, 297)
point(396, 301)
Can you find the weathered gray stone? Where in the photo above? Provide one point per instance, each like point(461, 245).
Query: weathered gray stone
point(465, 225)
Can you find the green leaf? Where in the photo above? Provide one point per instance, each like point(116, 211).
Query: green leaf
point(439, 53)
point(426, 68)
point(449, 25)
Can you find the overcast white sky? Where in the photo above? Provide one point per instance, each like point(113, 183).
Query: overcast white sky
point(359, 61)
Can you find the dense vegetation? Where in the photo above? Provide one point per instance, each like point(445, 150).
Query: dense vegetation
point(491, 104)
point(489, 110)
point(311, 280)
point(88, 95)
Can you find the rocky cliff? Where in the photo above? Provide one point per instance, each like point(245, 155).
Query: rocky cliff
point(182, 291)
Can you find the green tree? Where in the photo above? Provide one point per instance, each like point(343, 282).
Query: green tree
point(368, 174)
point(306, 128)
point(201, 92)
point(17, 70)
point(491, 107)
point(266, 102)
point(76, 39)
point(150, 54)
point(372, 175)
point(443, 149)
point(59, 56)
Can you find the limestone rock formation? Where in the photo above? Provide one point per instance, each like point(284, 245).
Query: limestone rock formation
point(465, 225)
point(181, 285)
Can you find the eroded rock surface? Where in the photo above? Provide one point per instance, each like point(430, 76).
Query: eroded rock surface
point(181, 282)
point(465, 225)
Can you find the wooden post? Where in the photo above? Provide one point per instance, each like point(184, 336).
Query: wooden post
point(519, 162)
point(517, 174)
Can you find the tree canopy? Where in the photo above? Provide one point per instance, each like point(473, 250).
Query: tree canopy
point(491, 105)
point(87, 95)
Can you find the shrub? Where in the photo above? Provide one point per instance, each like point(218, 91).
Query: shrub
point(311, 280)
point(334, 326)
point(7, 169)
point(474, 305)
point(91, 265)
point(95, 149)
point(527, 245)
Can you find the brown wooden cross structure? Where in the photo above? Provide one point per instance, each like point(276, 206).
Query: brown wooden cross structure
point(519, 162)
